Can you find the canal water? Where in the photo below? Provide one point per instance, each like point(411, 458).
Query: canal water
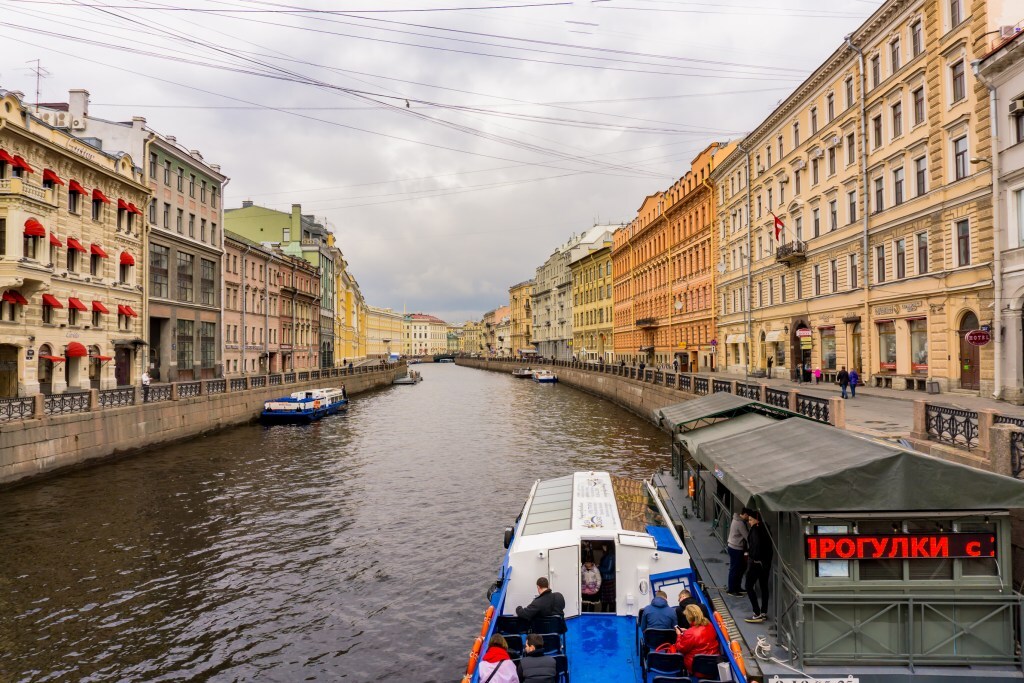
point(356, 549)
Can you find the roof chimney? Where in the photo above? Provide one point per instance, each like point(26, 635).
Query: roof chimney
point(78, 107)
point(138, 122)
point(246, 203)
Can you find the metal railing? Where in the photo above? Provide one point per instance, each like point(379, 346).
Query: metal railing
point(257, 381)
point(952, 426)
point(1017, 453)
point(303, 376)
point(113, 398)
point(275, 380)
point(157, 393)
point(776, 397)
point(751, 391)
point(19, 408)
point(686, 382)
point(289, 377)
point(237, 384)
point(60, 404)
point(314, 374)
point(813, 407)
point(719, 386)
point(216, 386)
point(700, 386)
point(189, 389)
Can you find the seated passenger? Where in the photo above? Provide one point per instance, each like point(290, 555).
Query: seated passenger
point(699, 639)
point(658, 614)
point(546, 604)
point(590, 584)
point(496, 665)
point(535, 666)
point(685, 600)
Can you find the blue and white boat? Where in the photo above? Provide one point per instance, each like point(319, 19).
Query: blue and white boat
point(567, 519)
point(303, 407)
point(544, 377)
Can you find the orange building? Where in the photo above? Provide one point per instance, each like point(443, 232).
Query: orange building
point(663, 269)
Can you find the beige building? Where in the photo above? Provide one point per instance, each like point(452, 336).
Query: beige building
point(383, 332)
point(521, 313)
point(590, 264)
point(884, 253)
point(71, 259)
point(472, 338)
point(503, 334)
point(424, 335)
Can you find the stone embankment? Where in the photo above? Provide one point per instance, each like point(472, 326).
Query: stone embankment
point(43, 434)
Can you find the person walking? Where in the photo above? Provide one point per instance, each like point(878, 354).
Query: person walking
point(817, 375)
point(771, 361)
point(737, 547)
point(145, 386)
point(844, 380)
point(759, 545)
point(854, 381)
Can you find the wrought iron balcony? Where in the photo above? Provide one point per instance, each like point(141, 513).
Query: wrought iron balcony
point(647, 322)
point(791, 252)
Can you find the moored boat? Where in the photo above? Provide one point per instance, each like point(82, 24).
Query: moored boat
point(412, 378)
point(523, 373)
point(544, 377)
point(619, 524)
point(303, 407)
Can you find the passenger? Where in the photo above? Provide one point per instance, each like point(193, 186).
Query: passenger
point(761, 553)
point(546, 604)
point(699, 639)
point(590, 585)
point(685, 600)
point(658, 614)
point(737, 546)
point(607, 567)
point(535, 666)
point(497, 666)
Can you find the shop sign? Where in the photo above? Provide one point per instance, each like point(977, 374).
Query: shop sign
point(978, 337)
point(30, 353)
point(898, 546)
point(816, 679)
point(804, 332)
point(806, 343)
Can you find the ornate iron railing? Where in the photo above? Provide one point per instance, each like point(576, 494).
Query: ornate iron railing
point(275, 380)
point(303, 376)
point(700, 386)
point(686, 382)
point(112, 398)
point(315, 374)
point(658, 377)
point(1009, 420)
point(1017, 453)
point(776, 397)
point(158, 392)
point(189, 389)
point(216, 386)
point(952, 426)
point(59, 404)
point(289, 377)
point(721, 385)
point(751, 391)
point(813, 407)
point(257, 381)
point(237, 384)
point(20, 408)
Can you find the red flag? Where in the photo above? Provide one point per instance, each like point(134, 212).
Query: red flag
point(779, 226)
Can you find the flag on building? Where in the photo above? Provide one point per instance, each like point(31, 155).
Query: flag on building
point(779, 226)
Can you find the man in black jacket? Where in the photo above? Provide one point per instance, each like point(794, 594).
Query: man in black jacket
point(535, 666)
point(686, 599)
point(759, 549)
point(546, 604)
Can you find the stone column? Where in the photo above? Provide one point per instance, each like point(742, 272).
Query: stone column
point(1001, 453)
point(837, 412)
point(174, 391)
point(94, 400)
point(920, 430)
point(986, 420)
point(793, 393)
point(39, 408)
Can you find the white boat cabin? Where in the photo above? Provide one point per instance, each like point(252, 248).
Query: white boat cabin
point(589, 514)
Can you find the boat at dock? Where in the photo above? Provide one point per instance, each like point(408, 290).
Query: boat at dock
point(412, 378)
point(544, 377)
point(523, 373)
point(589, 516)
point(304, 407)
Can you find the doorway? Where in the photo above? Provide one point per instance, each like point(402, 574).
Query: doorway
point(970, 376)
point(8, 371)
point(123, 365)
point(564, 575)
point(45, 369)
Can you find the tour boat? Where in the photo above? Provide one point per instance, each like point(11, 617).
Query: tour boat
point(567, 520)
point(544, 377)
point(412, 378)
point(445, 360)
point(303, 407)
point(523, 373)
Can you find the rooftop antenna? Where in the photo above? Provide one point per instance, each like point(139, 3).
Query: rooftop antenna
point(40, 73)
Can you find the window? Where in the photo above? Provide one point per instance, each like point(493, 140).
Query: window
point(897, 186)
point(959, 84)
point(879, 184)
point(918, 346)
point(207, 281)
point(191, 225)
point(833, 275)
point(814, 171)
point(185, 270)
point(192, 185)
point(768, 153)
point(876, 71)
point(830, 111)
point(74, 200)
point(833, 215)
point(816, 220)
point(960, 157)
point(920, 176)
point(202, 229)
point(851, 204)
point(956, 13)
point(47, 313)
point(72, 315)
point(124, 271)
point(880, 263)
point(922, 253)
point(3, 237)
point(180, 223)
point(897, 119)
point(916, 44)
point(782, 288)
point(876, 131)
point(814, 120)
point(167, 173)
point(901, 258)
point(213, 197)
point(167, 216)
point(771, 205)
point(918, 106)
point(152, 211)
point(894, 55)
point(849, 92)
point(799, 225)
point(887, 345)
point(158, 265)
point(29, 247)
point(851, 149)
point(799, 285)
point(771, 292)
point(202, 192)
point(153, 163)
point(963, 243)
point(97, 318)
point(831, 161)
point(853, 271)
point(208, 344)
point(186, 341)
point(72, 260)
point(94, 264)
point(1018, 127)
point(213, 233)
point(817, 280)
point(181, 179)
point(796, 136)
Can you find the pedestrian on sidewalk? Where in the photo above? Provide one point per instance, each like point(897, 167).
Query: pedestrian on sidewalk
point(771, 360)
point(817, 375)
point(737, 547)
point(844, 380)
point(145, 386)
point(854, 381)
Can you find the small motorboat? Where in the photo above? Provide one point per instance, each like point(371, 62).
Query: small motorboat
point(523, 373)
point(304, 407)
point(544, 377)
point(412, 378)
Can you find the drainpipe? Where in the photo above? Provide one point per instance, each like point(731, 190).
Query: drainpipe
point(266, 314)
point(865, 339)
point(997, 259)
point(750, 275)
point(245, 297)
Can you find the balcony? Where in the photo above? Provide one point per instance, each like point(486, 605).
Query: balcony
point(647, 322)
point(791, 253)
point(22, 186)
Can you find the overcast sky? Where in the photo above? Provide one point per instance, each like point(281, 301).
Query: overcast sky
point(451, 145)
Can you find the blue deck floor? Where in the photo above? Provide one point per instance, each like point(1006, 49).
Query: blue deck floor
point(602, 649)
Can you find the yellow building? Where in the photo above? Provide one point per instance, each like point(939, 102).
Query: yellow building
point(521, 315)
point(590, 263)
point(472, 340)
point(883, 259)
point(383, 332)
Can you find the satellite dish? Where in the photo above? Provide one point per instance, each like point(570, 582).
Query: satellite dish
point(679, 305)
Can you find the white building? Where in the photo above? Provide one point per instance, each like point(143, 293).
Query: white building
point(424, 335)
point(552, 304)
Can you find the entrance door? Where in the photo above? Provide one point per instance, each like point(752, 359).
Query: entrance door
point(8, 371)
point(970, 376)
point(564, 575)
point(123, 365)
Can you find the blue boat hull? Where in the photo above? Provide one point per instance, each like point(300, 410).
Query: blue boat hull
point(301, 417)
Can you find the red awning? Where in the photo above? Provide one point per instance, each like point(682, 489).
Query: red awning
point(76, 350)
point(76, 304)
point(131, 312)
point(134, 209)
point(51, 300)
point(52, 177)
point(13, 296)
point(22, 164)
point(122, 205)
point(34, 228)
point(127, 259)
point(98, 196)
point(98, 307)
point(53, 359)
point(55, 241)
point(74, 186)
point(97, 250)
point(127, 310)
point(102, 358)
point(75, 244)
point(5, 157)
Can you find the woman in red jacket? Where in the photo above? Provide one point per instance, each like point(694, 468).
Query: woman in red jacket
point(699, 639)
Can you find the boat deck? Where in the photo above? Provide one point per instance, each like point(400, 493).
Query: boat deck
point(601, 648)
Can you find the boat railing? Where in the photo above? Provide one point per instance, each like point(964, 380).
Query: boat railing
point(498, 602)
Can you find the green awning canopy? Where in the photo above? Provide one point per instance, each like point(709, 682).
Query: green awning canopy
point(689, 414)
point(803, 466)
point(693, 438)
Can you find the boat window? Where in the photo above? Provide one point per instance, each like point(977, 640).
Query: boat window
point(637, 507)
point(551, 508)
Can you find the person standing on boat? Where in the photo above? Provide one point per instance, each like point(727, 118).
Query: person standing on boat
point(737, 546)
point(535, 666)
point(497, 666)
point(607, 567)
point(590, 579)
point(658, 614)
point(759, 545)
point(546, 604)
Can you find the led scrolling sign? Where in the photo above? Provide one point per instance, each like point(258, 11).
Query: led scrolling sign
point(898, 546)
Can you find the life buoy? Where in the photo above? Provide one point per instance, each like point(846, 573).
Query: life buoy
point(737, 653)
point(487, 621)
point(721, 624)
point(474, 655)
point(691, 487)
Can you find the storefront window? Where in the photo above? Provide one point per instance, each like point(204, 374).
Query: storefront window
point(919, 346)
point(828, 348)
point(854, 359)
point(887, 345)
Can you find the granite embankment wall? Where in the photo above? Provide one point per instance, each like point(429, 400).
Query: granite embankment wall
point(44, 444)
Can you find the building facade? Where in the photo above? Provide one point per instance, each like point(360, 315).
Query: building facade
point(252, 307)
point(299, 313)
point(455, 333)
point(882, 259)
point(184, 245)
point(503, 334)
point(551, 302)
point(472, 338)
point(521, 318)
point(424, 334)
point(383, 332)
point(71, 255)
point(641, 286)
point(590, 267)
